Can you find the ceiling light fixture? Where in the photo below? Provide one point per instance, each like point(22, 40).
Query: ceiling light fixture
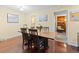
point(21, 7)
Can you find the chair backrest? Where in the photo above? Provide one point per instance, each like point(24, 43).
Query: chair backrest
point(33, 31)
point(23, 30)
point(25, 35)
point(33, 34)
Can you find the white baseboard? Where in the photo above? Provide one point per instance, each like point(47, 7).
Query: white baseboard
point(69, 43)
point(8, 36)
point(73, 44)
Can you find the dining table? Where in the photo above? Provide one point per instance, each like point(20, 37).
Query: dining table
point(49, 35)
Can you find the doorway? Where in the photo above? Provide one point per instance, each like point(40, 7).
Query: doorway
point(61, 24)
point(61, 28)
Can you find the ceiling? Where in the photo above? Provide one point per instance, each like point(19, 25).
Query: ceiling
point(31, 8)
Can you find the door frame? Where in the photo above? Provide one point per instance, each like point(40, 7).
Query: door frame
point(66, 24)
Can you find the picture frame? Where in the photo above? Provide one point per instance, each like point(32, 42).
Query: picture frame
point(43, 18)
point(12, 18)
point(74, 16)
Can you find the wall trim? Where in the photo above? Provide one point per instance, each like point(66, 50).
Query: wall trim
point(8, 36)
point(72, 44)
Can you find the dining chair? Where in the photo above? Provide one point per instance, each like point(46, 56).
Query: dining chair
point(24, 36)
point(38, 41)
point(33, 37)
point(23, 29)
point(33, 31)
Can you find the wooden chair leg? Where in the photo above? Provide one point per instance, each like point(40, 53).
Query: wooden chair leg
point(29, 44)
point(23, 45)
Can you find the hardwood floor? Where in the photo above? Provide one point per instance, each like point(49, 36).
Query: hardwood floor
point(14, 45)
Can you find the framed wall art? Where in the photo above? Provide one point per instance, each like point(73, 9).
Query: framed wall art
point(74, 16)
point(12, 18)
point(43, 18)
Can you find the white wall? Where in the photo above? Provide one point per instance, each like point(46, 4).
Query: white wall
point(50, 22)
point(8, 30)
